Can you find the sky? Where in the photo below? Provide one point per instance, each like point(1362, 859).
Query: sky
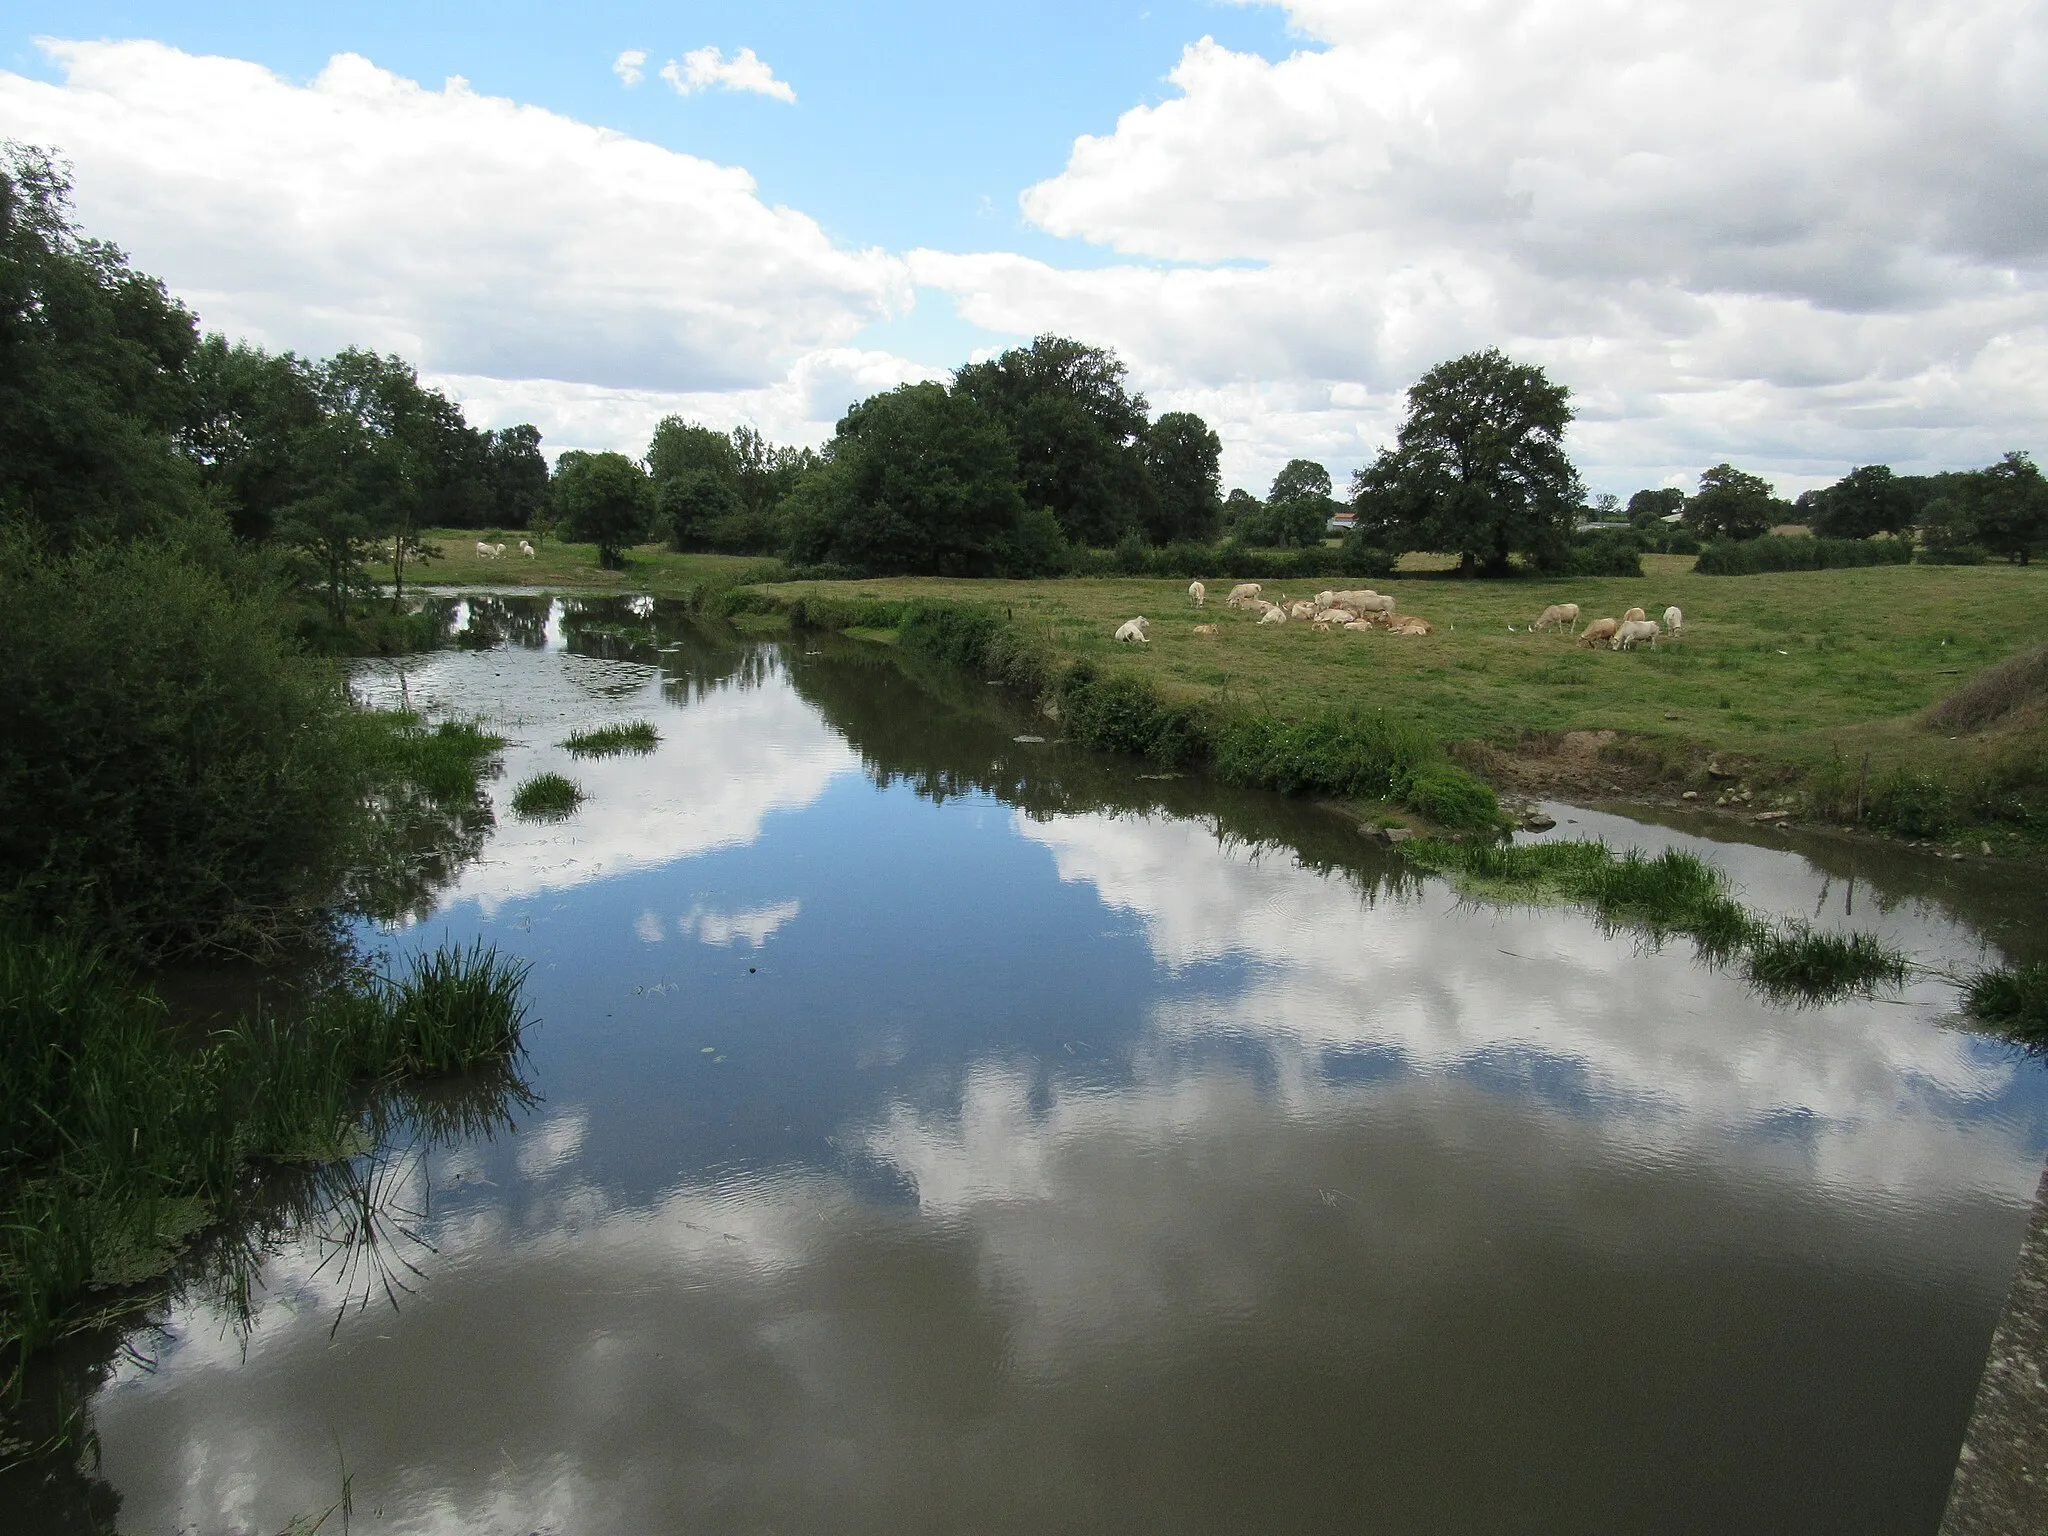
point(1796, 236)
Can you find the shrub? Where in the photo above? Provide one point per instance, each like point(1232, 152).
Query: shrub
point(1603, 554)
point(1798, 552)
point(1952, 554)
point(176, 773)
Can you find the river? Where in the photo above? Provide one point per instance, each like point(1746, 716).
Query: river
point(942, 1131)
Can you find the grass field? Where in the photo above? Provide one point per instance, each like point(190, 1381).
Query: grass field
point(1792, 667)
point(573, 567)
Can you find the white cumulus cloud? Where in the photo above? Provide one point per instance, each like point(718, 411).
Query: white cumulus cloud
point(703, 68)
point(476, 236)
point(1800, 233)
point(629, 64)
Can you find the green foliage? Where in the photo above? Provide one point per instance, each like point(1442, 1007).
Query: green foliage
point(1601, 554)
point(118, 1139)
point(443, 762)
point(2009, 516)
point(1798, 552)
point(175, 772)
point(1077, 433)
point(918, 480)
point(1733, 504)
point(603, 499)
point(546, 797)
point(636, 736)
point(93, 359)
point(2013, 1000)
point(518, 477)
point(1478, 468)
point(1183, 459)
point(1866, 501)
point(1649, 508)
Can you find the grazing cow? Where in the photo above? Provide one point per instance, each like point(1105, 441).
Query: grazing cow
point(1198, 592)
point(1274, 614)
point(1598, 630)
point(1560, 615)
point(1132, 631)
point(1674, 620)
point(1208, 629)
point(1365, 602)
point(1242, 594)
point(527, 550)
point(483, 551)
point(1633, 630)
point(497, 551)
point(1634, 616)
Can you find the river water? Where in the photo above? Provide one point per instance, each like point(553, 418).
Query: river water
point(943, 1132)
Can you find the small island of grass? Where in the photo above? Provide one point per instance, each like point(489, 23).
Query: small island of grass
point(546, 797)
point(636, 736)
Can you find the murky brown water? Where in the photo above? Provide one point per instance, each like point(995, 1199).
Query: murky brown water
point(945, 1133)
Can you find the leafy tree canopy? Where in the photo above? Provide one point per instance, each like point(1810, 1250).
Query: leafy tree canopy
point(1076, 430)
point(1863, 502)
point(1478, 468)
point(1734, 504)
point(1653, 506)
point(93, 359)
point(1301, 478)
point(1183, 458)
point(918, 480)
point(604, 499)
point(2009, 510)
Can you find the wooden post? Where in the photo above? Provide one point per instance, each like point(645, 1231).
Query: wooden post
point(1862, 784)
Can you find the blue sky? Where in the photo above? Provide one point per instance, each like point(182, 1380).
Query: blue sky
point(1796, 235)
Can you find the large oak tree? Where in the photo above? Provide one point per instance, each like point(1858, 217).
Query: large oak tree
point(1478, 468)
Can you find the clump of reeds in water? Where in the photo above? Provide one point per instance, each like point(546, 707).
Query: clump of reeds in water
point(2013, 1000)
point(1671, 893)
point(546, 797)
point(119, 1139)
point(637, 736)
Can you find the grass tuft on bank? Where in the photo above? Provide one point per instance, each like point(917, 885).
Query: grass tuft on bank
point(546, 797)
point(2013, 1000)
point(1666, 894)
point(637, 736)
point(119, 1139)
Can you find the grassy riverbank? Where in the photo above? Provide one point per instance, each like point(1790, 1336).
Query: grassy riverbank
point(1787, 680)
point(651, 568)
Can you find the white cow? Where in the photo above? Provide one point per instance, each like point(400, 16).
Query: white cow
point(1242, 594)
point(1634, 616)
point(1132, 631)
point(1674, 620)
point(527, 550)
point(1633, 630)
point(1198, 592)
point(1274, 615)
point(1562, 615)
point(483, 551)
point(497, 551)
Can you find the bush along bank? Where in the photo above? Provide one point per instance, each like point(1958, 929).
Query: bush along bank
point(119, 1141)
point(1350, 753)
point(1798, 552)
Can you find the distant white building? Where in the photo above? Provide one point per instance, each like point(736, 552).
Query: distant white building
point(1342, 522)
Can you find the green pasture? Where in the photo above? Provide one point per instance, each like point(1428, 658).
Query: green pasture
point(1790, 666)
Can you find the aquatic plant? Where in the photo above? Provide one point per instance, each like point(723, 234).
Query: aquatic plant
point(2012, 999)
point(546, 797)
point(1671, 893)
point(119, 1140)
point(637, 736)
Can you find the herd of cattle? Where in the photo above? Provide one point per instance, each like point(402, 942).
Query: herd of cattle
point(497, 551)
point(1364, 609)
